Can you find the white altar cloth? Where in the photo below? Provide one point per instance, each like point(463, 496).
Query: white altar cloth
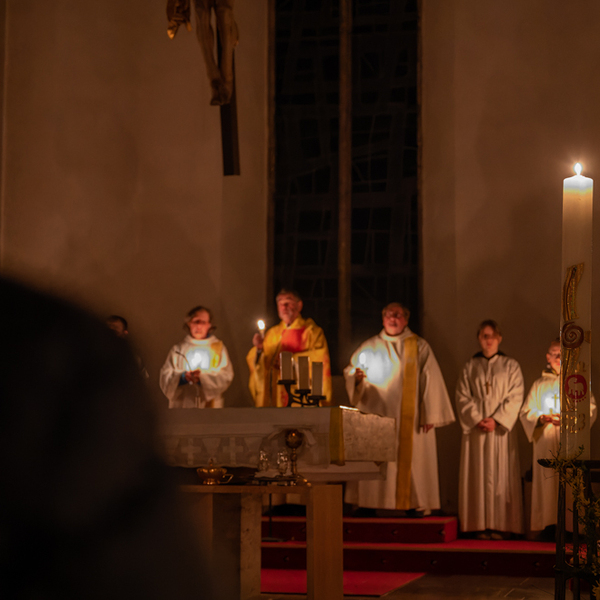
point(340, 443)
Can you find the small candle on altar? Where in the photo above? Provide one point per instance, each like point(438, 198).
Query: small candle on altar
point(576, 315)
point(303, 373)
point(317, 379)
point(261, 327)
point(285, 366)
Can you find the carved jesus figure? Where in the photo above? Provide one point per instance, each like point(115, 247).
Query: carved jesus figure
point(221, 77)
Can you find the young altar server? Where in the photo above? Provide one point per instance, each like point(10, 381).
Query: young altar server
point(540, 417)
point(395, 374)
point(489, 395)
point(197, 370)
point(301, 337)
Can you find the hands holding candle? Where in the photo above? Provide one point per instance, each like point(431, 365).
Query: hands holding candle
point(361, 371)
point(259, 337)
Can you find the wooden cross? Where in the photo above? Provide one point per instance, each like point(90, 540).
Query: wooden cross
point(488, 385)
point(229, 128)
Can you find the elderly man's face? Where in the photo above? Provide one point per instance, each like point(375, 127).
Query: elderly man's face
point(288, 308)
point(394, 321)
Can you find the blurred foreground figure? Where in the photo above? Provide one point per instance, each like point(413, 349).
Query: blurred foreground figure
point(87, 509)
point(395, 374)
point(120, 328)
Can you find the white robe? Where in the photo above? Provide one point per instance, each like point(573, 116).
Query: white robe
point(216, 373)
point(381, 393)
point(490, 494)
point(545, 392)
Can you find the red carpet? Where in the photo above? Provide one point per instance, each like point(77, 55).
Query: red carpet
point(356, 583)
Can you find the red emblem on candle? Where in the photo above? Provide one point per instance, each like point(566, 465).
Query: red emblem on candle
point(576, 387)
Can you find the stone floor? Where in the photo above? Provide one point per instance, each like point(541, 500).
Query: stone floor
point(459, 587)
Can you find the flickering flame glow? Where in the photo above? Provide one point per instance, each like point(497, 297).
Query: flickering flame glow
point(378, 365)
point(199, 358)
point(578, 168)
point(550, 404)
point(261, 325)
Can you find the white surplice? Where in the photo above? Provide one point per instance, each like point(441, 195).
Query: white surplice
point(382, 358)
point(544, 399)
point(490, 479)
point(216, 373)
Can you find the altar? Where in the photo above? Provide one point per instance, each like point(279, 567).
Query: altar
point(340, 444)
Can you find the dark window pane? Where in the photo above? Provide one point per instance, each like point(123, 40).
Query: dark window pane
point(360, 219)
point(381, 244)
point(308, 253)
point(309, 221)
point(381, 218)
point(359, 248)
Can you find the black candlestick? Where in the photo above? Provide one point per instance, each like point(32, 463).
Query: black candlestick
point(301, 397)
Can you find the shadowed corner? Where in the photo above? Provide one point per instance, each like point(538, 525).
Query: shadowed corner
point(88, 509)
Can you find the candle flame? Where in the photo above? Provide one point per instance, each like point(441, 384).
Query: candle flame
point(261, 324)
point(578, 168)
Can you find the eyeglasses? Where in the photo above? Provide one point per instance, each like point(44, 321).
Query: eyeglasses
point(394, 315)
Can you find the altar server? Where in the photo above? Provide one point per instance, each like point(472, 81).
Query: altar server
point(197, 370)
point(395, 374)
point(489, 395)
point(301, 337)
point(540, 417)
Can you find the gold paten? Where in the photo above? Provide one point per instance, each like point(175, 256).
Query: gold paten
point(213, 475)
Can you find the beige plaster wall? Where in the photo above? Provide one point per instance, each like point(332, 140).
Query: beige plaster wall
point(510, 96)
point(113, 193)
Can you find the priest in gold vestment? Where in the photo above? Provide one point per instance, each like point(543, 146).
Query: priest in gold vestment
point(301, 337)
point(395, 374)
point(540, 417)
point(489, 395)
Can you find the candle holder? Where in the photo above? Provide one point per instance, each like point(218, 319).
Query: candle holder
point(301, 397)
point(293, 440)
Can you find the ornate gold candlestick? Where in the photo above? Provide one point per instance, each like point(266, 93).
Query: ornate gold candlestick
point(293, 440)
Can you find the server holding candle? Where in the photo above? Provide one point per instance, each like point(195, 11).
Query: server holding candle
point(197, 370)
point(295, 335)
point(395, 374)
point(540, 417)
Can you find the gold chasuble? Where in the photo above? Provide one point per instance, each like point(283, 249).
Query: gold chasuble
point(407, 417)
point(302, 338)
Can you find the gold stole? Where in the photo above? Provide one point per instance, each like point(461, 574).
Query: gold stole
point(407, 422)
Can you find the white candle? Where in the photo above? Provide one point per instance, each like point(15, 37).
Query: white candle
point(286, 370)
point(317, 379)
point(303, 373)
point(261, 327)
point(362, 361)
point(576, 315)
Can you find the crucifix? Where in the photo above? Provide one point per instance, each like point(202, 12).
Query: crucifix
point(220, 71)
point(488, 385)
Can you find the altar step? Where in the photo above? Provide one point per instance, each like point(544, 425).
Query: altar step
point(428, 530)
point(380, 545)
